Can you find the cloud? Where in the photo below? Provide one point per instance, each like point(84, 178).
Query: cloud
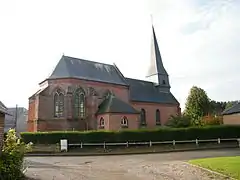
point(198, 40)
point(200, 45)
point(206, 13)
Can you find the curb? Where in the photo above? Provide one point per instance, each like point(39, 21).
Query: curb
point(210, 171)
point(123, 153)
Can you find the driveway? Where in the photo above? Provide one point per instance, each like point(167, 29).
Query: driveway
point(168, 166)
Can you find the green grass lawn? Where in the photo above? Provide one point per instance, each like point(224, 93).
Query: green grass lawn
point(226, 165)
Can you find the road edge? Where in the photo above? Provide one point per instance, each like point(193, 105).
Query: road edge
point(122, 153)
point(210, 171)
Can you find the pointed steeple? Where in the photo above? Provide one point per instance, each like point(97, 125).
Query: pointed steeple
point(156, 71)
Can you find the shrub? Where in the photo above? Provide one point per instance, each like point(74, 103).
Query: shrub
point(11, 160)
point(143, 135)
point(212, 120)
point(179, 121)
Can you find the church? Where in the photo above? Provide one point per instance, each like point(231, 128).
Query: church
point(85, 95)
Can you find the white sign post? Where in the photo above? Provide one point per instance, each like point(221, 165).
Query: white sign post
point(64, 145)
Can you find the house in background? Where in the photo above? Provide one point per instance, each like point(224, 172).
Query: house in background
point(231, 116)
point(17, 119)
point(3, 112)
point(87, 95)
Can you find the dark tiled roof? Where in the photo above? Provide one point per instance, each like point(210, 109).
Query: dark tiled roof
point(232, 110)
point(114, 105)
point(145, 91)
point(69, 67)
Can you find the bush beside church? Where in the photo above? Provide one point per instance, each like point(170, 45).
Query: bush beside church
point(12, 157)
point(143, 135)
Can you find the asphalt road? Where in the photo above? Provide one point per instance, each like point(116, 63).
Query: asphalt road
point(169, 166)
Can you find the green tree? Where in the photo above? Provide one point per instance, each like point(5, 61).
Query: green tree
point(216, 107)
point(197, 104)
point(179, 121)
point(230, 104)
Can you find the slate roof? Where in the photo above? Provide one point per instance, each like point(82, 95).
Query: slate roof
point(114, 105)
point(145, 91)
point(69, 67)
point(232, 110)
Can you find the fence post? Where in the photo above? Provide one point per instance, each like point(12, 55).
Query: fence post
point(150, 143)
point(238, 142)
point(219, 141)
point(104, 145)
point(127, 144)
point(197, 142)
point(174, 142)
point(81, 145)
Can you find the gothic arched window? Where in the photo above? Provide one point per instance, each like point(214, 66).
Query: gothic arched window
point(58, 104)
point(102, 123)
point(124, 121)
point(79, 103)
point(158, 118)
point(143, 117)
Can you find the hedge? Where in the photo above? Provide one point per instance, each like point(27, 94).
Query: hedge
point(143, 135)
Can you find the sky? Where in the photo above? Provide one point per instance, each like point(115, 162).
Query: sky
point(198, 40)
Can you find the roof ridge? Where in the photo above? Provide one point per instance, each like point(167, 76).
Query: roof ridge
point(79, 59)
point(119, 72)
point(66, 64)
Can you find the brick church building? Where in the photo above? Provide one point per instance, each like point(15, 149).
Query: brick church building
point(86, 95)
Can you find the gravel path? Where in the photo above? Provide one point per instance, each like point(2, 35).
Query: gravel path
point(169, 166)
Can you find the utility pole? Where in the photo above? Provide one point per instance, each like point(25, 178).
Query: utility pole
point(16, 116)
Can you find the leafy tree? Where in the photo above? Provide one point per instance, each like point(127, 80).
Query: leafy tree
point(197, 104)
point(179, 121)
point(216, 108)
point(229, 104)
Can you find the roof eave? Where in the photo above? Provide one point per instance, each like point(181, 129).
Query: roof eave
point(126, 85)
point(224, 114)
point(102, 113)
point(146, 101)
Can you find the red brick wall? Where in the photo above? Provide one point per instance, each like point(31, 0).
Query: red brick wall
point(61, 125)
point(232, 119)
point(165, 112)
point(45, 102)
point(42, 107)
point(31, 115)
point(113, 121)
point(106, 121)
point(121, 92)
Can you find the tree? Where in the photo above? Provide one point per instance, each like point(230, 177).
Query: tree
point(229, 104)
point(179, 121)
point(197, 104)
point(216, 107)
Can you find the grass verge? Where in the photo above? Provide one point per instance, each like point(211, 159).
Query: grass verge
point(229, 166)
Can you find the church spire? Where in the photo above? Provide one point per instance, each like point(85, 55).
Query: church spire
point(156, 71)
